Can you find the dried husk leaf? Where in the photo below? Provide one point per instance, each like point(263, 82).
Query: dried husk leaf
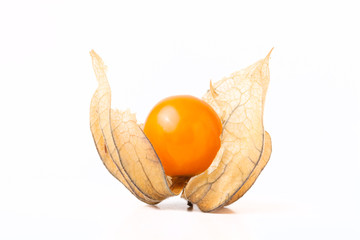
point(239, 102)
point(123, 147)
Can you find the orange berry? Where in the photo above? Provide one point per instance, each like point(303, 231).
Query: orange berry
point(185, 133)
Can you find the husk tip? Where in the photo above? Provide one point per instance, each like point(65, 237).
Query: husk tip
point(97, 61)
point(268, 55)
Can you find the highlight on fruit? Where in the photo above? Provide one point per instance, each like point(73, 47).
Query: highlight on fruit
point(211, 150)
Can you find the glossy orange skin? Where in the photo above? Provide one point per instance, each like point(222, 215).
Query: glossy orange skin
point(185, 133)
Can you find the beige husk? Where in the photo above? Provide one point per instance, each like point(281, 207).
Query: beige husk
point(245, 146)
point(239, 102)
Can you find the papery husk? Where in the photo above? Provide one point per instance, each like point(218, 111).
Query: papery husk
point(245, 147)
point(123, 147)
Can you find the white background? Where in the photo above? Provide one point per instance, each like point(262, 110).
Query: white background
point(52, 182)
